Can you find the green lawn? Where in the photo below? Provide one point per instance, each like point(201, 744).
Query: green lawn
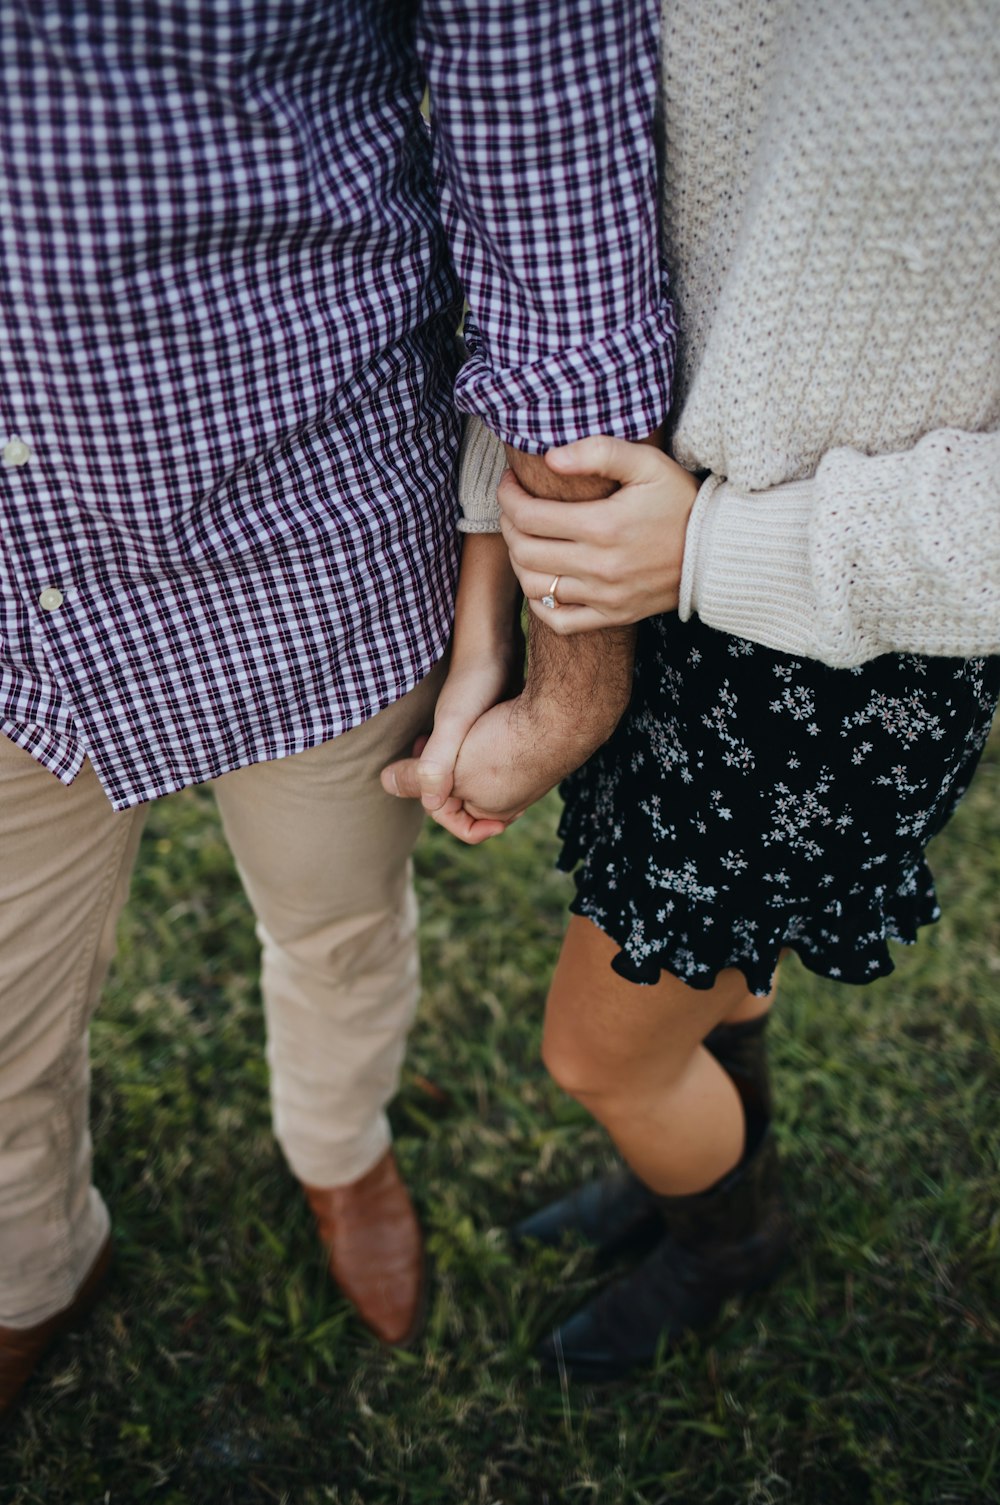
point(223, 1368)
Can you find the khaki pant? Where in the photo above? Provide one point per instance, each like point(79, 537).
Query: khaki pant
point(324, 857)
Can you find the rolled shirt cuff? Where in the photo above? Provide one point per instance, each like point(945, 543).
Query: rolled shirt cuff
point(618, 384)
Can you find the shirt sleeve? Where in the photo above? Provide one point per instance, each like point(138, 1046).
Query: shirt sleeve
point(545, 162)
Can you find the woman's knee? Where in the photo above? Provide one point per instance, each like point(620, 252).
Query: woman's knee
point(615, 1093)
point(608, 1042)
point(573, 1068)
point(606, 1082)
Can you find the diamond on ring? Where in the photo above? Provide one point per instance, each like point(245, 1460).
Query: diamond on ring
point(549, 599)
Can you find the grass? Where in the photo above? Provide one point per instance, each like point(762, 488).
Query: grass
point(222, 1368)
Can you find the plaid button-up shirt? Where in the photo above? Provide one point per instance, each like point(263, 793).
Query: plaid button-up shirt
point(230, 260)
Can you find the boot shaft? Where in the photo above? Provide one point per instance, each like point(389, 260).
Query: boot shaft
point(741, 1051)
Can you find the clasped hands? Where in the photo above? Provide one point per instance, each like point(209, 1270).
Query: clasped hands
point(618, 559)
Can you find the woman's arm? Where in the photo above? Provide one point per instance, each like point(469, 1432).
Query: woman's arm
point(874, 554)
point(487, 657)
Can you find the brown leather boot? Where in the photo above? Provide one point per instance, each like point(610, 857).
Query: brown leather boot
point(376, 1249)
point(23, 1348)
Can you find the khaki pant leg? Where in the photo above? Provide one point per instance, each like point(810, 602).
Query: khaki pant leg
point(67, 861)
point(324, 857)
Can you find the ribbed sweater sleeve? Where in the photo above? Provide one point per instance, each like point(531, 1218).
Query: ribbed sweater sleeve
point(482, 463)
point(875, 554)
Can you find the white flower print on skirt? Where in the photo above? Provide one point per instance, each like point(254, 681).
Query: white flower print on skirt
point(750, 801)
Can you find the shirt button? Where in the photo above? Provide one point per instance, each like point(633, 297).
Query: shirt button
point(16, 452)
point(51, 598)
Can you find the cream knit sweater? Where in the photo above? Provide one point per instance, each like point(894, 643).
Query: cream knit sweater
point(832, 225)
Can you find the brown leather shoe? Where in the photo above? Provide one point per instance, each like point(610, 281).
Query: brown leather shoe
point(23, 1348)
point(376, 1249)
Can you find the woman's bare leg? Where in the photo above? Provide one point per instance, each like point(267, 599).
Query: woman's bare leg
point(633, 1057)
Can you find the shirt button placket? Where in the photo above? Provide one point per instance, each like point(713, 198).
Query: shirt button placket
point(16, 452)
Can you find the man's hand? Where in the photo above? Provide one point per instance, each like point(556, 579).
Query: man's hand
point(488, 764)
point(487, 662)
point(470, 690)
point(513, 755)
point(617, 560)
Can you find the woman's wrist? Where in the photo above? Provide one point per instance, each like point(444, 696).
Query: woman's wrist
point(488, 605)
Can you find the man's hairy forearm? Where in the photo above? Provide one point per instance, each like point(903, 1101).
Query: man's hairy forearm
point(579, 684)
point(536, 477)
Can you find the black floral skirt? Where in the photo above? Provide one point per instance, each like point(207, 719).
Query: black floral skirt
point(750, 801)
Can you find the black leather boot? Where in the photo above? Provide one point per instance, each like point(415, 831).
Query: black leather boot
point(617, 1213)
point(727, 1241)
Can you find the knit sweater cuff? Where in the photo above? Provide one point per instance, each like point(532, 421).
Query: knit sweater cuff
point(483, 461)
point(746, 564)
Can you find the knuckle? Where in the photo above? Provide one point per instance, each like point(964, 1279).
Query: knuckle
point(600, 531)
point(512, 498)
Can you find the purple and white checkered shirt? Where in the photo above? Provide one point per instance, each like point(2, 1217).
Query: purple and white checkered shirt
point(227, 305)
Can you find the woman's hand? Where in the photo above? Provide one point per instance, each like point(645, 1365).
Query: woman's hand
point(517, 751)
point(614, 561)
point(514, 754)
point(490, 786)
point(487, 664)
point(471, 689)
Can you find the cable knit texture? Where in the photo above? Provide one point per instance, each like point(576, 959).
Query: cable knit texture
point(832, 222)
